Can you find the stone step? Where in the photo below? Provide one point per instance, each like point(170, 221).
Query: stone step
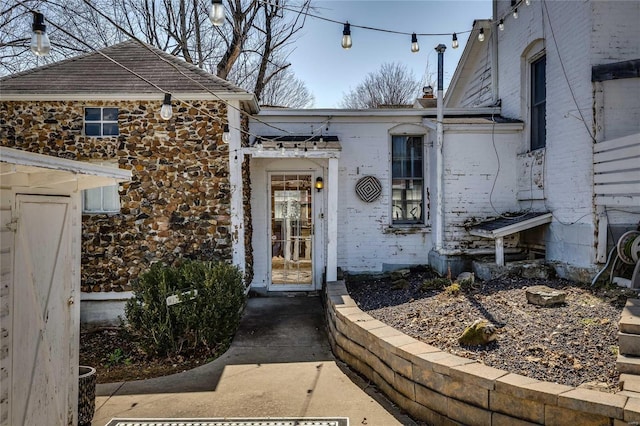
point(630, 382)
point(629, 344)
point(630, 318)
point(628, 364)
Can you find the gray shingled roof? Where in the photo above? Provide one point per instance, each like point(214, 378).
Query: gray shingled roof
point(92, 73)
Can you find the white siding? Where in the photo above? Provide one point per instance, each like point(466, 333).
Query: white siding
point(6, 276)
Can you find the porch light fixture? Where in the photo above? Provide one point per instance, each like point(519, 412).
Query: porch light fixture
point(166, 112)
point(40, 44)
point(217, 13)
point(501, 25)
point(454, 41)
point(226, 136)
point(515, 13)
point(481, 35)
point(414, 43)
point(319, 184)
point(346, 37)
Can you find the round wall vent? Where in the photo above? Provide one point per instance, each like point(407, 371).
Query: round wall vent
point(368, 189)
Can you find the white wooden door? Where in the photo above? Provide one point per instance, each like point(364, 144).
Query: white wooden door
point(41, 349)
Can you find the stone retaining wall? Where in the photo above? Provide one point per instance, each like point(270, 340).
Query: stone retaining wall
point(445, 389)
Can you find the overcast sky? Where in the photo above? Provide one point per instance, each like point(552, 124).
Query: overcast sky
point(329, 71)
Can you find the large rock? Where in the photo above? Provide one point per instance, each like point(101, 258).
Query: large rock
point(479, 333)
point(542, 295)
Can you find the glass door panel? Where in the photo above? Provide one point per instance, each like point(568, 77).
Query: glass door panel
point(291, 229)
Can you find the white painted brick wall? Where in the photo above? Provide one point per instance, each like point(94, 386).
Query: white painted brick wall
point(363, 244)
point(567, 173)
point(471, 167)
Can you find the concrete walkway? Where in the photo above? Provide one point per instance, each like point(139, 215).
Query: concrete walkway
point(279, 365)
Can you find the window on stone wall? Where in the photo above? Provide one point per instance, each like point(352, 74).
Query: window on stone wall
point(105, 199)
point(101, 121)
point(407, 179)
point(538, 103)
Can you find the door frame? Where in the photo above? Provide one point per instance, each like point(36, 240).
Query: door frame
point(317, 234)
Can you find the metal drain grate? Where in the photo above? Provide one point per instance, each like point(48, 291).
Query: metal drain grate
point(337, 421)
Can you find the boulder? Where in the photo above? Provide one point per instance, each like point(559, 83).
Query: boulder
point(479, 333)
point(400, 274)
point(542, 295)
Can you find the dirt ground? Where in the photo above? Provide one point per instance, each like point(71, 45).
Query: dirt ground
point(574, 343)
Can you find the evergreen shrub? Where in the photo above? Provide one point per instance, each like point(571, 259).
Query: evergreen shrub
point(211, 296)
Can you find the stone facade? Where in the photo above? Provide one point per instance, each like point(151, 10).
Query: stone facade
point(177, 203)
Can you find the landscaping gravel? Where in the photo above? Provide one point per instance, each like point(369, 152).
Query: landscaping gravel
point(573, 343)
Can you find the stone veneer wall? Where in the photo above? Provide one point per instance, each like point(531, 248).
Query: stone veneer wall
point(177, 203)
point(444, 389)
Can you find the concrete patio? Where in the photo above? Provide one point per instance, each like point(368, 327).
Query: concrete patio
point(279, 365)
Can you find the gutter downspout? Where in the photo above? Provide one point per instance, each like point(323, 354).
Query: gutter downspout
point(439, 152)
point(494, 59)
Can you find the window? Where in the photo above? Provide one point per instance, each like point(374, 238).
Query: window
point(105, 199)
point(407, 179)
point(101, 122)
point(101, 200)
point(538, 103)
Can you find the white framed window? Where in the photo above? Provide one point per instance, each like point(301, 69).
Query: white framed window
point(407, 179)
point(105, 199)
point(101, 121)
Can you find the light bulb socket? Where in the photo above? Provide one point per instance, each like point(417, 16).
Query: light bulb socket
point(38, 22)
point(454, 41)
point(167, 99)
point(347, 29)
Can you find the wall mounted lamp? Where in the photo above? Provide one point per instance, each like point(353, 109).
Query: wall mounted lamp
point(319, 184)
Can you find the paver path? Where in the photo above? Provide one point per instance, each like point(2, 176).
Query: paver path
point(279, 365)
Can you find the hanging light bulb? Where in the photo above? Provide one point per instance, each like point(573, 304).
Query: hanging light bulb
point(295, 148)
point(454, 41)
point(414, 43)
point(226, 136)
point(40, 44)
point(527, 2)
point(481, 35)
point(501, 25)
point(315, 145)
point(346, 37)
point(259, 145)
point(515, 13)
point(166, 112)
point(217, 13)
point(282, 150)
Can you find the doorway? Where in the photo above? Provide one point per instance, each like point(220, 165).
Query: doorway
point(291, 231)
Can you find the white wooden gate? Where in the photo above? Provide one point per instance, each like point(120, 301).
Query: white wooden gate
point(42, 345)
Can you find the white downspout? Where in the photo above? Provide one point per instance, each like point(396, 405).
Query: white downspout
point(439, 232)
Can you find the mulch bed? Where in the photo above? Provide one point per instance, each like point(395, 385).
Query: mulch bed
point(573, 344)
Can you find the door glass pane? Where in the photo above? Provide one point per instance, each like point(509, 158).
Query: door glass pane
point(291, 229)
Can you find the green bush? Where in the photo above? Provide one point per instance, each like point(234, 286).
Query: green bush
point(208, 320)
